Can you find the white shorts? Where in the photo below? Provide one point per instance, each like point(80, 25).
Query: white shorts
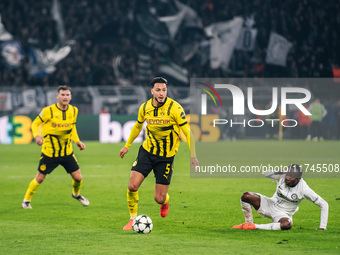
point(267, 209)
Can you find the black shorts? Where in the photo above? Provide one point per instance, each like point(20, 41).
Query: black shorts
point(162, 167)
point(47, 164)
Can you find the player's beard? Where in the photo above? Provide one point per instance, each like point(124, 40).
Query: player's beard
point(161, 103)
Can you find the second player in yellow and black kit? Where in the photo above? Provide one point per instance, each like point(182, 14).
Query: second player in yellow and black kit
point(165, 118)
point(58, 132)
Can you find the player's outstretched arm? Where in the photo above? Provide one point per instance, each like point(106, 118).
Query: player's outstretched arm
point(324, 213)
point(273, 175)
point(81, 145)
point(310, 195)
point(123, 151)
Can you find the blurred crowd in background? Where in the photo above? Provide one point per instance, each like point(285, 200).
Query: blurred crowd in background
point(104, 36)
point(85, 43)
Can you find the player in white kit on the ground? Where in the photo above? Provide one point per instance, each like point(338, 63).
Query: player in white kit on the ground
point(291, 189)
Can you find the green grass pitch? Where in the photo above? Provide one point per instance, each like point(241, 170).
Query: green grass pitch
point(202, 210)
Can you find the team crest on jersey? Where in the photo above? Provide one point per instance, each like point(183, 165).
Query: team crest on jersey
point(43, 167)
point(162, 113)
point(134, 163)
point(183, 115)
point(294, 196)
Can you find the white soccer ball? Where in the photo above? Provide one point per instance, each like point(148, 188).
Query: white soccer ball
point(142, 224)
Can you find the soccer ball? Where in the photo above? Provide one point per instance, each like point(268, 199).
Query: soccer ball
point(142, 224)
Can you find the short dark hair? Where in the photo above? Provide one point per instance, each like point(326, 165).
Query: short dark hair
point(294, 171)
point(64, 87)
point(158, 80)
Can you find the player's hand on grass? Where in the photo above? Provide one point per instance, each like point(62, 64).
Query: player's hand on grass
point(194, 162)
point(81, 145)
point(123, 151)
point(39, 140)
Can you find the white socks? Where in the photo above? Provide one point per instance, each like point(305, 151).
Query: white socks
point(269, 226)
point(246, 209)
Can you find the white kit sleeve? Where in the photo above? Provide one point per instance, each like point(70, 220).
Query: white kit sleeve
point(272, 175)
point(310, 195)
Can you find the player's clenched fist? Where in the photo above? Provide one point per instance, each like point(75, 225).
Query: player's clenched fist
point(39, 140)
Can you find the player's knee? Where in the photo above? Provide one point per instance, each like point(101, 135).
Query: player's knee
point(246, 197)
point(77, 179)
point(285, 225)
point(132, 187)
point(160, 199)
point(40, 178)
point(40, 181)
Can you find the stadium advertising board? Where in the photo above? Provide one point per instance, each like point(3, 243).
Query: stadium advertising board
point(17, 129)
point(105, 128)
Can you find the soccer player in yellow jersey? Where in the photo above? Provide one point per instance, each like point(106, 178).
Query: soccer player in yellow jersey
point(59, 130)
point(164, 117)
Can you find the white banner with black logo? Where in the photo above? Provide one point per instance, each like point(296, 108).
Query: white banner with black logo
point(246, 40)
point(224, 36)
point(278, 49)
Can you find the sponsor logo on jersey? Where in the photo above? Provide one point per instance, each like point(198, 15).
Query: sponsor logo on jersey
point(54, 125)
point(157, 121)
point(286, 198)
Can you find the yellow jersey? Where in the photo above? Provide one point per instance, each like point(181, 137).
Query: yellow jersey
point(59, 129)
point(162, 129)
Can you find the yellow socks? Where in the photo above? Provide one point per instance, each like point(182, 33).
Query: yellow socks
point(167, 199)
point(76, 187)
point(31, 189)
point(132, 200)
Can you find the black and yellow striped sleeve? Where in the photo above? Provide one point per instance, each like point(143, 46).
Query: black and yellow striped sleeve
point(74, 133)
point(138, 125)
point(182, 122)
point(141, 113)
point(179, 115)
point(43, 116)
